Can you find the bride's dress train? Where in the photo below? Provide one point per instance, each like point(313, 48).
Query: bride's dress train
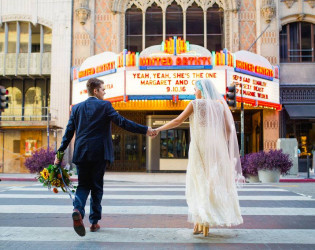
point(211, 191)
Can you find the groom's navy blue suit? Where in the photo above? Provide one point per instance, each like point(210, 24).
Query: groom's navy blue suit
point(93, 148)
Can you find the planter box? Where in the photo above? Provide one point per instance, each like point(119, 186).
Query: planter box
point(252, 178)
point(266, 176)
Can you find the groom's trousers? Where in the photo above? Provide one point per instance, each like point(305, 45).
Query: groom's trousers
point(90, 178)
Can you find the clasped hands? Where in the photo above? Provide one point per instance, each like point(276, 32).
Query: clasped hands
point(152, 132)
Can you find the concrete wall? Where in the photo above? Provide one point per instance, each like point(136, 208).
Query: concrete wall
point(57, 16)
point(295, 73)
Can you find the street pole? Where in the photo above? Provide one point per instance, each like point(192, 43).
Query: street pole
point(48, 114)
point(242, 122)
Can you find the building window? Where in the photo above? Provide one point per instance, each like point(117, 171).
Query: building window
point(47, 39)
point(174, 20)
point(133, 29)
point(21, 32)
point(297, 42)
point(195, 32)
point(28, 99)
point(24, 37)
point(195, 25)
point(174, 143)
point(35, 38)
point(2, 39)
point(215, 27)
point(154, 31)
point(12, 37)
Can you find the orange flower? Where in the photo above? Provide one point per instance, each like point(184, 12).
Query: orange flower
point(59, 176)
point(55, 190)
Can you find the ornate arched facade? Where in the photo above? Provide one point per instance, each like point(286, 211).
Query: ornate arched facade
point(230, 8)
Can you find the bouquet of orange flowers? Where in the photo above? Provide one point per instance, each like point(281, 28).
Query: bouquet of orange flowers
point(55, 176)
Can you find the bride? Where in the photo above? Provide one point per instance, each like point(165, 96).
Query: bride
point(213, 161)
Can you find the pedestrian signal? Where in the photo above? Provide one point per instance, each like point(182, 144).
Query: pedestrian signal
point(231, 96)
point(4, 99)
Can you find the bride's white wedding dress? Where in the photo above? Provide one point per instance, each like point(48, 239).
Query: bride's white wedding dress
point(211, 191)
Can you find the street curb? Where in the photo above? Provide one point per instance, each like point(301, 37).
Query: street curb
point(297, 180)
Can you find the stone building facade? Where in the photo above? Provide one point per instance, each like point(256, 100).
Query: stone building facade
point(105, 28)
point(280, 30)
point(35, 62)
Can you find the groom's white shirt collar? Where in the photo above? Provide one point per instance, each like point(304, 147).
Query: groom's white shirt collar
point(93, 96)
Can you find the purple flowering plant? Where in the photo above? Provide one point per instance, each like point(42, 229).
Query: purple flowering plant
point(278, 160)
point(272, 160)
point(250, 162)
point(39, 160)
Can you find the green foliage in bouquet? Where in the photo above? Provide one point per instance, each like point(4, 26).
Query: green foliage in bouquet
point(55, 176)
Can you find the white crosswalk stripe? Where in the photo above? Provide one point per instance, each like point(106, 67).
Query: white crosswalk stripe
point(161, 235)
point(150, 210)
point(147, 197)
point(107, 189)
point(160, 201)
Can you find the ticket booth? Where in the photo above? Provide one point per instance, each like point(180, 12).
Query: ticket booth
point(169, 150)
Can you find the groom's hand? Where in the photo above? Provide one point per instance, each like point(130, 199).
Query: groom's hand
point(151, 132)
point(57, 161)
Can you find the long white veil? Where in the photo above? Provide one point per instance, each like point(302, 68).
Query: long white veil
point(220, 139)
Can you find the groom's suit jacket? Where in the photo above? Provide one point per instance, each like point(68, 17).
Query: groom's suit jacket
point(91, 122)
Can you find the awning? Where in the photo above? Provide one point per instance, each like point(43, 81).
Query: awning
point(301, 111)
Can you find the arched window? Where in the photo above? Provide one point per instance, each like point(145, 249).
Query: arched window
point(297, 42)
point(194, 25)
point(195, 31)
point(215, 38)
point(133, 29)
point(154, 26)
point(174, 20)
point(15, 88)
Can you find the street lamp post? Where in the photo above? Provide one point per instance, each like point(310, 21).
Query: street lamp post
point(48, 116)
point(242, 122)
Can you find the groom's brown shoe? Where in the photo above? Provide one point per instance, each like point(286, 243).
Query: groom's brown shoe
point(78, 225)
point(94, 227)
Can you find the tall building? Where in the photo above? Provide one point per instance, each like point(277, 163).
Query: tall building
point(281, 31)
point(297, 63)
point(135, 25)
point(35, 62)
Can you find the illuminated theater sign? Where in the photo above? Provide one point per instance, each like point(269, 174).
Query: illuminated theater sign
point(169, 72)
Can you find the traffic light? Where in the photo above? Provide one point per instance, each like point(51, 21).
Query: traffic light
point(4, 99)
point(231, 96)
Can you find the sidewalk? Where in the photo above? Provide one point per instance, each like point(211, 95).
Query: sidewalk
point(135, 177)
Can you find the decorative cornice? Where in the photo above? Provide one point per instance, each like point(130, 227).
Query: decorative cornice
point(268, 10)
point(289, 3)
point(16, 17)
point(297, 94)
point(295, 17)
point(26, 18)
point(83, 12)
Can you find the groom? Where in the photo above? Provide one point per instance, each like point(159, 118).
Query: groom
point(93, 150)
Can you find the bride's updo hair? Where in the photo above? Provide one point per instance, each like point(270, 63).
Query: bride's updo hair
point(208, 91)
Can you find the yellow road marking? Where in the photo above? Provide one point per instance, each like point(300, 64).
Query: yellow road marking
point(285, 185)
